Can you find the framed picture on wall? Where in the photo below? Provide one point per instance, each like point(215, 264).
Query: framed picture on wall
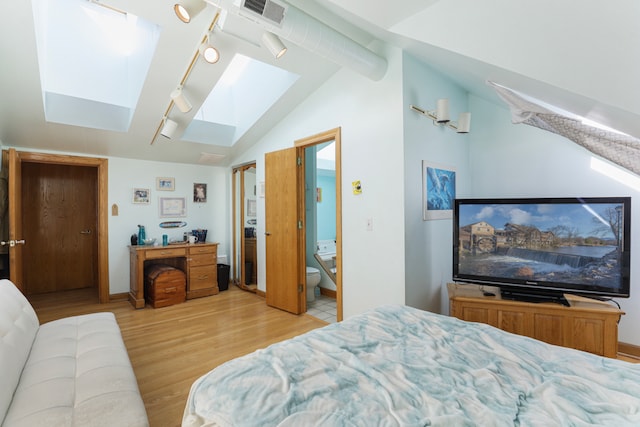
point(141, 196)
point(173, 207)
point(251, 207)
point(164, 183)
point(438, 191)
point(199, 193)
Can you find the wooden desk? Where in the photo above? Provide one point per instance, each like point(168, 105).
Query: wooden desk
point(198, 261)
point(587, 325)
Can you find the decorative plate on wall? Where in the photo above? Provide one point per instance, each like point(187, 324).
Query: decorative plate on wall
point(172, 224)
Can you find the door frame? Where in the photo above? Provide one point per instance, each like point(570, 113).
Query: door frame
point(102, 166)
point(320, 138)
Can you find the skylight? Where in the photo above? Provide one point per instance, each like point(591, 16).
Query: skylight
point(93, 61)
point(246, 90)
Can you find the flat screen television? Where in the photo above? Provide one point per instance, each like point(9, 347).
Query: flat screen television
point(538, 249)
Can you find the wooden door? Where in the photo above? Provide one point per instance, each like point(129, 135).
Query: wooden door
point(15, 218)
point(284, 281)
point(60, 225)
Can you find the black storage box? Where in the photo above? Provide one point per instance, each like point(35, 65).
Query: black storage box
point(223, 277)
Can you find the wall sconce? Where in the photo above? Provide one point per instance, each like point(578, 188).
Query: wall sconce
point(188, 9)
point(441, 116)
point(180, 100)
point(274, 44)
point(169, 128)
point(208, 51)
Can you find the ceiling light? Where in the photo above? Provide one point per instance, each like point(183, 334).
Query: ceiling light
point(180, 100)
point(274, 44)
point(441, 116)
point(188, 9)
point(169, 128)
point(208, 51)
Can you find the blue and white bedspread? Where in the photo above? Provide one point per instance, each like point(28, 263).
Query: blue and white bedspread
point(399, 366)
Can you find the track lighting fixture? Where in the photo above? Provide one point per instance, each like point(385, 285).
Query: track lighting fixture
point(441, 116)
point(186, 10)
point(181, 100)
point(169, 128)
point(208, 51)
point(274, 44)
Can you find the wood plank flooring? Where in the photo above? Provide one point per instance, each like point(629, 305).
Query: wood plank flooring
point(171, 347)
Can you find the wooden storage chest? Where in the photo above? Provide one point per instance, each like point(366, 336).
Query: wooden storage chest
point(164, 285)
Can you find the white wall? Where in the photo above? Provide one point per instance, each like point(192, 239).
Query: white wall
point(428, 245)
point(370, 115)
point(522, 161)
point(126, 174)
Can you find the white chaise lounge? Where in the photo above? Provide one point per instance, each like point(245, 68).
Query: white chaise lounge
point(69, 372)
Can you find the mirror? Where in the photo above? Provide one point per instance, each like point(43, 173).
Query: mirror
point(245, 259)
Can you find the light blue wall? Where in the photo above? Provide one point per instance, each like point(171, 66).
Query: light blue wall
point(327, 207)
point(428, 244)
point(126, 174)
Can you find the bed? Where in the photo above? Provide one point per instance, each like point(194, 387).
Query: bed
point(400, 366)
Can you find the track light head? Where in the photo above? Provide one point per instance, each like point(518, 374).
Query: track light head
point(441, 117)
point(464, 123)
point(180, 100)
point(208, 51)
point(186, 10)
point(274, 44)
point(169, 128)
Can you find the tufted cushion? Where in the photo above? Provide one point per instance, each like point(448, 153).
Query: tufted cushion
point(77, 371)
point(78, 374)
point(18, 327)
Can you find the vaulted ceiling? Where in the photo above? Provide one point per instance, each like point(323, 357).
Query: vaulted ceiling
point(582, 56)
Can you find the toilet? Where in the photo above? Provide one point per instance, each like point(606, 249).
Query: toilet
point(313, 278)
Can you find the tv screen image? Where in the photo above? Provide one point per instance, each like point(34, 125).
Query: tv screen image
point(538, 247)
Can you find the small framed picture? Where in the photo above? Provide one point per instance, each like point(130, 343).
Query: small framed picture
point(165, 184)
point(199, 193)
point(173, 207)
point(438, 191)
point(141, 196)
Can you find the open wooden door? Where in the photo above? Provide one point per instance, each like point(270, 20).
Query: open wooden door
point(16, 241)
point(285, 284)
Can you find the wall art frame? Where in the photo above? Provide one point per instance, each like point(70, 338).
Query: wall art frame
point(164, 183)
point(199, 192)
point(173, 207)
point(141, 196)
point(438, 191)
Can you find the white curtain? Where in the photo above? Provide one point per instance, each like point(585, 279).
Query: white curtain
point(621, 149)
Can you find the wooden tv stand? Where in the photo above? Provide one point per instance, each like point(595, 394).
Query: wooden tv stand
point(587, 325)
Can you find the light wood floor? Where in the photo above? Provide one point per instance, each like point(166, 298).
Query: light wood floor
point(171, 347)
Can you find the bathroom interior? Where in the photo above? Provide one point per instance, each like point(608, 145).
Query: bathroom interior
point(320, 206)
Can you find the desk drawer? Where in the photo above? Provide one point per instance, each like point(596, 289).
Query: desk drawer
point(202, 277)
point(166, 253)
point(204, 249)
point(202, 259)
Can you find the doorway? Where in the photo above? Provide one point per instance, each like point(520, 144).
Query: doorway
point(320, 230)
point(59, 222)
point(285, 234)
point(90, 177)
point(321, 187)
point(245, 257)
